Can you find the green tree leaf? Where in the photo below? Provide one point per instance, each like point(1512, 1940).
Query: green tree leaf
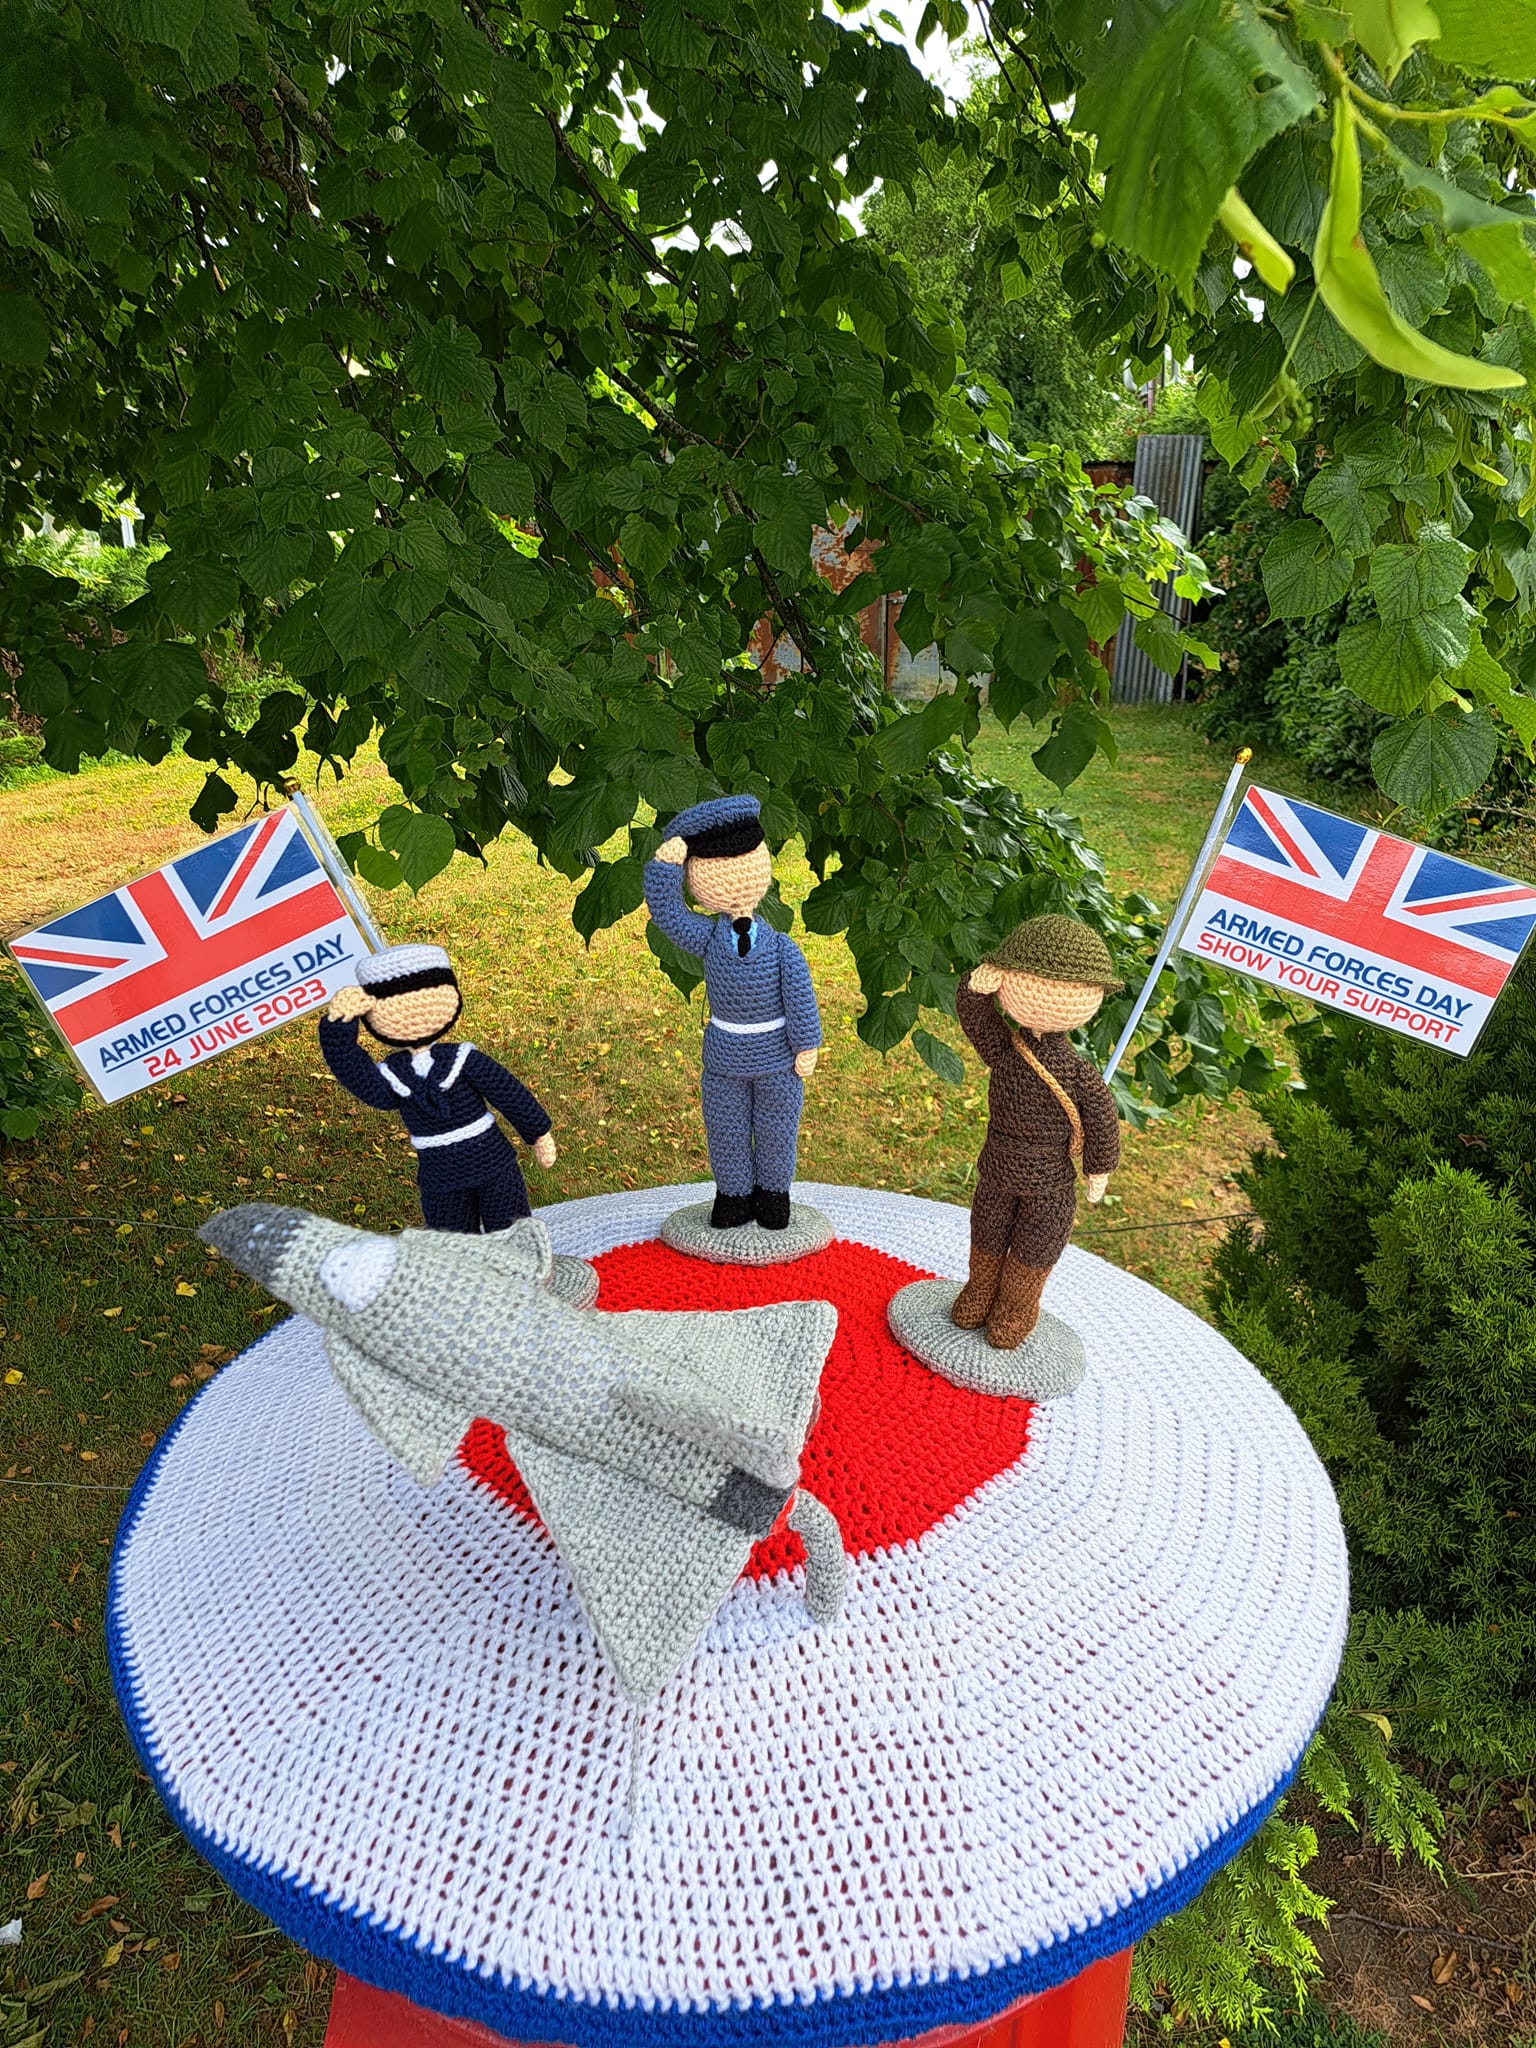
point(1076, 737)
point(1408, 580)
point(1272, 263)
point(1350, 287)
point(196, 593)
point(905, 745)
point(1181, 94)
point(1394, 665)
point(422, 845)
point(943, 1059)
point(502, 485)
point(24, 335)
point(1350, 509)
point(162, 679)
point(1432, 762)
point(614, 890)
point(1303, 575)
point(1389, 29)
point(1497, 41)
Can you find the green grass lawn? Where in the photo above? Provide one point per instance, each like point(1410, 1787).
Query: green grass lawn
point(106, 1330)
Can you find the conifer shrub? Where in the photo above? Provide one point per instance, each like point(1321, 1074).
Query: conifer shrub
point(1388, 1289)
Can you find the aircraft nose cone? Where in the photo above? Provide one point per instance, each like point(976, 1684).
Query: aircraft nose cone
point(254, 1236)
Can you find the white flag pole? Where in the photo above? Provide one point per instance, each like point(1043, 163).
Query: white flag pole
point(1182, 907)
point(331, 859)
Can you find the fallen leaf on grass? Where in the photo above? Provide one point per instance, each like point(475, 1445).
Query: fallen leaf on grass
point(113, 1956)
point(99, 1906)
point(1512, 1991)
point(185, 1287)
point(111, 1312)
point(218, 2014)
point(14, 1378)
point(1424, 2004)
point(39, 1885)
point(171, 1962)
point(90, 1457)
point(1443, 1968)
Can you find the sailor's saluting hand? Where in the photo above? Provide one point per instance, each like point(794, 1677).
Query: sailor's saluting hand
point(544, 1149)
point(673, 851)
point(348, 1004)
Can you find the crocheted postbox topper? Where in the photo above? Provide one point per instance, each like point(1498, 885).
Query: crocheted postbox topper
point(657, 1448)
point(764, 1030)
point(1083, 1651)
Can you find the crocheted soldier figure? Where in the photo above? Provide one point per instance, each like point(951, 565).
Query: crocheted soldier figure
point(467, 1174)
point(1048, 1110)
point(764, 1029)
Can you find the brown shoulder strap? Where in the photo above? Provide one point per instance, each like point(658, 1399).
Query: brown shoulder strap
point(1060, 1093)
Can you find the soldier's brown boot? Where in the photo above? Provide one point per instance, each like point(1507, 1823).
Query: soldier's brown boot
point(1016, 1305)
point(973, 1303)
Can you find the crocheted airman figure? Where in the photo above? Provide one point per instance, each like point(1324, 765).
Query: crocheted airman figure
point(1048, 1111)
point(764, 1029)
point(466, 1172)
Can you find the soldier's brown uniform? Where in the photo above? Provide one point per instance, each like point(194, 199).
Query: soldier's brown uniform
point(1026, 1184)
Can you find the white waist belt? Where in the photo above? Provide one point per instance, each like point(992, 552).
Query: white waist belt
point(747, 1030)
point(481, 1123)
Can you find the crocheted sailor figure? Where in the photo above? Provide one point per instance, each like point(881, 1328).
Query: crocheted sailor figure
point(1047, 1110)
point(764, 1029)
point(467, 1174)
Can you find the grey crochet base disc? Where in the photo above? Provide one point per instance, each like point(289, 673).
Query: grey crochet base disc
point(573, 1281)
point(689, 1230)
point(1050, 1361)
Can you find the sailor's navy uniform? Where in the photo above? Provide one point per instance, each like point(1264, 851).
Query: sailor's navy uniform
point(762, 1011)
point(445, 1095)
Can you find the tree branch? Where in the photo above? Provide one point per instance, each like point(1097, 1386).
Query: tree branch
point(315, 121)
point(664, 419)
point(290, 186)
point(594, 555)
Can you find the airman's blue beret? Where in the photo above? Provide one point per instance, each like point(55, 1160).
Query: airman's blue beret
point(720, 827)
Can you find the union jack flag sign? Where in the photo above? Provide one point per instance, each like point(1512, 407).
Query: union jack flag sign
point(207, 952)
point(1411, 939)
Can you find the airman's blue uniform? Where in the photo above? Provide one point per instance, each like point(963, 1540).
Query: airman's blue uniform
point(762, 1011)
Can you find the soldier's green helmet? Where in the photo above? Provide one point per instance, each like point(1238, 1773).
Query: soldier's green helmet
point(1057, 949)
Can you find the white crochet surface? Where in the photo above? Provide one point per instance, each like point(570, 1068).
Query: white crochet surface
point(1040, 1711)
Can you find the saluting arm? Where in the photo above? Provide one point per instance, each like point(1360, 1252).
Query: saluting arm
point(352, 1067)
point(981, 1023)
point(664, 900)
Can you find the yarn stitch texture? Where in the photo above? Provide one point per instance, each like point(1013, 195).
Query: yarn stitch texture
point(466, 1182)
point(1037, 1729)
point(1026, 1195)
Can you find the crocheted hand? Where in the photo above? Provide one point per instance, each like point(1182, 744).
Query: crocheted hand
point(985, 980)
point(544, 1149)
point(805, 1062)
point(349, 1003)
point(1096, 1183)
point(673, 851)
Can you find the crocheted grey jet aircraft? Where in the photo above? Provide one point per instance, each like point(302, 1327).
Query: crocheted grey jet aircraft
point(657, 1447)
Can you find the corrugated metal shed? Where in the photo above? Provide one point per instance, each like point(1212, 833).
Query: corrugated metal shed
point(1170, 471)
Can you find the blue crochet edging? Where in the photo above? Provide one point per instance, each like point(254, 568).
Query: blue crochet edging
point(392, 1961)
